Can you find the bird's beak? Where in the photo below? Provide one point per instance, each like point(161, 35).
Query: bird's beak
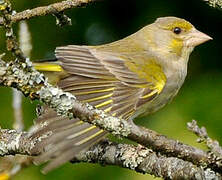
point(196, 38)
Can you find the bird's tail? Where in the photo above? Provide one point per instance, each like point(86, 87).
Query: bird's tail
point(51, 68)
point(65, 138)
point(51, 65)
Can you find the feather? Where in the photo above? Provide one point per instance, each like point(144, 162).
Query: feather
point(101, 79)
point(68, 137)
point(48, 67)
point(89, 66)
point(72, 150)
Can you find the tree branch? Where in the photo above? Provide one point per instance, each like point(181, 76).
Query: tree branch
point(136, 158)
point(13, 142)
point(145, 161)
point(46, 10)
point(33, 84)
point(212, 145)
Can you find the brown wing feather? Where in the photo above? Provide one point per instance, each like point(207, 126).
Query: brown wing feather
point(79, 60)
point(92, 68)
point(116, 65)
point(67, 138)
point(100, 79)
point(90, 62)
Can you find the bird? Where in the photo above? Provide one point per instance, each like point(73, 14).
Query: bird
point(128, 78)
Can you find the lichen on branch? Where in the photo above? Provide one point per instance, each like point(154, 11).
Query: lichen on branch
point(54, 9)
point(132, 157)
point(215, 3)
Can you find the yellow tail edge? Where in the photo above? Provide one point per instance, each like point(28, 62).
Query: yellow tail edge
point(4, 176)
point(48, 67)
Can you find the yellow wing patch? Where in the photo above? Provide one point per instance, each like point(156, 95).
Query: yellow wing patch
point(149, 94)
point(149, 70)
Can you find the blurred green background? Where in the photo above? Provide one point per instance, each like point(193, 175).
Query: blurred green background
point(200, 98)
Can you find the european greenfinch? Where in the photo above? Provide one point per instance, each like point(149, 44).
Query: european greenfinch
point(134, 76)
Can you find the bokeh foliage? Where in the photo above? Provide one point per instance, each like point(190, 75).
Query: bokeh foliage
point(200, 98)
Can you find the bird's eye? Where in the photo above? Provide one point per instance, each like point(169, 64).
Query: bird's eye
point(177, 30)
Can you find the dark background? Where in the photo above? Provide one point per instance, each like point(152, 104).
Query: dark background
point(200, 98)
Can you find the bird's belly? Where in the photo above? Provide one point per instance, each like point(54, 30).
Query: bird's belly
point(156, 104)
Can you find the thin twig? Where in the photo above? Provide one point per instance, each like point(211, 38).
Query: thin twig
point(213, 145)
point(45, 10)
point(62, 19)
point(12, 44)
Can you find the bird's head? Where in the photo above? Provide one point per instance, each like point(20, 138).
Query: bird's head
point(176, 35)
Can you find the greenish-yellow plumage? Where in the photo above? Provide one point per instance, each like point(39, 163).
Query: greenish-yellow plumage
point(127, 78)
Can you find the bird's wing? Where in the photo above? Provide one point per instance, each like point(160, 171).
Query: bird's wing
point(110, 81)
point(89, 62)
point(78, 60)
point(103, 80)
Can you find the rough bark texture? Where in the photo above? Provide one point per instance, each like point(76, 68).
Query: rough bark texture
point(136, 158)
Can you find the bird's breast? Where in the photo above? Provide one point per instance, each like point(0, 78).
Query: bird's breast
point(175, 77)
